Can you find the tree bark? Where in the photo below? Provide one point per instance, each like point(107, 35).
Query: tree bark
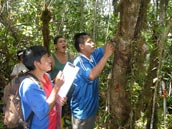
point(120, 103)
point(129, 45)
point(46, 17)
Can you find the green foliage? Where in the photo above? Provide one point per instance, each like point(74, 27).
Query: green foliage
point(21, 27)
point(68, 17)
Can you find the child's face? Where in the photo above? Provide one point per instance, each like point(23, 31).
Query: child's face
point(45, 63)
point(88, 47)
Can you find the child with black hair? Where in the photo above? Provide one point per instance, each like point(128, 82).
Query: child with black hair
point(41, 98)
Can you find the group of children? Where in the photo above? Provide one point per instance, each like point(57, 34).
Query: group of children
point(42, 99)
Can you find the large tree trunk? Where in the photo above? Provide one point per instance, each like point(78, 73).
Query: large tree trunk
point(120, 104)
point(132, 20)
point(129, 44)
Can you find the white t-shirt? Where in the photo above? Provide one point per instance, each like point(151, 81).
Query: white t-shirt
point(18, 68)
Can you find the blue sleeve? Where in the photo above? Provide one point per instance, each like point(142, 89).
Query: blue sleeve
point(84, 66)
point(34, 97)
point(98, 54)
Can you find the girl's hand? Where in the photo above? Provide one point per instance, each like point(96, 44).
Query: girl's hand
point(63, 101)
point(59, 80)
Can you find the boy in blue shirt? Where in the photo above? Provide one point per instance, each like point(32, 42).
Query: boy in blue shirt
point(41, 99)
point(91, 61)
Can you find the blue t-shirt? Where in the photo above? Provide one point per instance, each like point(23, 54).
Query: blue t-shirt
point(33, 99)
point(85, 100)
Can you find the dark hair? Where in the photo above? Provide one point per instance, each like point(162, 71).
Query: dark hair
point(33, 53)
point(80, 38)
point(19, 54)
point(56, 38)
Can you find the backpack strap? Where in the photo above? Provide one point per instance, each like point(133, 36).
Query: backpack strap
point(35, 79)
point(30, 118)
point(23, 126)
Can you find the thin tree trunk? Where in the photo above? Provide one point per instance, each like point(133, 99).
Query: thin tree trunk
point(46, 17)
